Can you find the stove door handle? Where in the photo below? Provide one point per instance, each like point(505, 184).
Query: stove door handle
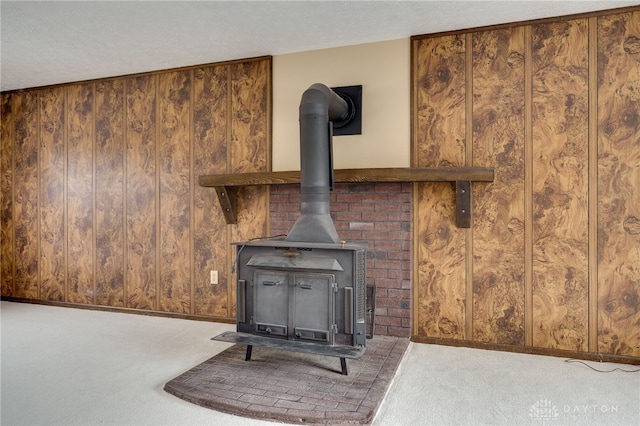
point(271, 283)
point(305, 285)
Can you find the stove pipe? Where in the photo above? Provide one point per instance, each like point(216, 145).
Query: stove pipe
point(319, 106)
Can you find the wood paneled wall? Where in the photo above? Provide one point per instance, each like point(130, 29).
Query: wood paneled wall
point(100, 203)
point(552, 260)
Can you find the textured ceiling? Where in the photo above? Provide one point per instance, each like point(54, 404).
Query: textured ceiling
point(52, 42)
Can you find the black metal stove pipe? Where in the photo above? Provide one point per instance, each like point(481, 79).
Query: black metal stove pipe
point(319, 105)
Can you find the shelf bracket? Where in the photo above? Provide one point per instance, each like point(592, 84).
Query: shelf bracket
point(463, 204)
point(227, 196)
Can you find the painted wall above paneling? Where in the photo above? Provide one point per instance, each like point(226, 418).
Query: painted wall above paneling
point(383, 71)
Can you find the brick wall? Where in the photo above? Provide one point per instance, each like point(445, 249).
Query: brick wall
point(378, 216)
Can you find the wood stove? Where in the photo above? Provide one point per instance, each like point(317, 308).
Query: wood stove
point(306, 292)
point(302, 292)
point(305, 297)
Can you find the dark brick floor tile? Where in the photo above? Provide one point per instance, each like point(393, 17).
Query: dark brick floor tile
point(333, 390)
point(228, 405)
point(347, 407)
point(360, 385)
point(267, 384)
point(210, 378)
point(353, 393)
point(344, 399)
point(282, 395)
point(286, 384)
point(259, 411)
point(363, 410)
point(294, 405)
point(370, 402)
point(258, 399)
point(303, 377)
point(320, 403)
point(285, 378)
point(368, 376)
point(214, 386)
point(332, 380)
point(228, 394)
point(249, 390)
point(306, 416)
point(312, 392)
point(345, 416)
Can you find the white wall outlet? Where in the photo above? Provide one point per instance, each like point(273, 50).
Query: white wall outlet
point(213, 277)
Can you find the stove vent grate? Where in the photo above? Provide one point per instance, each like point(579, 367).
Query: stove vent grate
point(361, 286)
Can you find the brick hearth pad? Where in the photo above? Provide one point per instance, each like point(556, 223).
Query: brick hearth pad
point(293, 387)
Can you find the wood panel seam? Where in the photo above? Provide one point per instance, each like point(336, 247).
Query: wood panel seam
point(192, 244)
point(65, 192)
point(229, 141)
point(13, 195)
point(157, 201)
point(38, 189)
point(593, 188)
point(127, 114)
point(94, 220)
point(528, 189)
point(468, 233)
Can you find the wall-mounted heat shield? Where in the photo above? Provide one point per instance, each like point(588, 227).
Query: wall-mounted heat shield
point(352, 123)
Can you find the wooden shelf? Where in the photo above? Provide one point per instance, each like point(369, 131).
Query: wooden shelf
point(226, 185)
point(426, 174)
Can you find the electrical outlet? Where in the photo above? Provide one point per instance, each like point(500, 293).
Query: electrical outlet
point(213, 277)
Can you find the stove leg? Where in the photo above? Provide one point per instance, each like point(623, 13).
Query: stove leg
point(247, 357)
point(343, 364)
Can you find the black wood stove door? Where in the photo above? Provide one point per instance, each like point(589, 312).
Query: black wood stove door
point(297, 306)
point(314, 306)
point(271, 303)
